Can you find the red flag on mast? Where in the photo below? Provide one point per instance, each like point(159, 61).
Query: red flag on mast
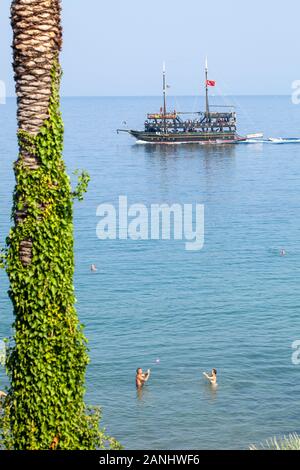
point(210, 83)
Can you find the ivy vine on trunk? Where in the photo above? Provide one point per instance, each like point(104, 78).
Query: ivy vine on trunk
point(46, 363)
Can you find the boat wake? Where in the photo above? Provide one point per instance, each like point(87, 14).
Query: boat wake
point(272, 141)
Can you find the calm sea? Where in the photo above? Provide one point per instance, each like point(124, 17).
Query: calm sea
point(235, 305)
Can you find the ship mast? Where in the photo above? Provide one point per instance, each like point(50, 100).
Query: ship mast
point(165, 98)
point(206, 88)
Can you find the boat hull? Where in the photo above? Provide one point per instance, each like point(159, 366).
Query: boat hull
point(187, 137)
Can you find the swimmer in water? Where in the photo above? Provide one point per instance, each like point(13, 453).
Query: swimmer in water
point(93, 268)
point(282, 252)
point(212, 378)
point(141, 378)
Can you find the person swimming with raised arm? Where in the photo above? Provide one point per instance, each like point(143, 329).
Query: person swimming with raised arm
point(141, 378)
point(212, 378)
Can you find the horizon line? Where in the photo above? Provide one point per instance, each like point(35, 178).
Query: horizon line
point(170, 96)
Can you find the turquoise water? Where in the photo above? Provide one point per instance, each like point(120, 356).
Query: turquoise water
point(233, 305)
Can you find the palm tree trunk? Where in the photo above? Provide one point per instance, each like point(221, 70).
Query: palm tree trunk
point(45, 406)
point(37, 40)
point(36, 43)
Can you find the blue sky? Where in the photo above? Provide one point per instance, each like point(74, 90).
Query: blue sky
point(117, 47)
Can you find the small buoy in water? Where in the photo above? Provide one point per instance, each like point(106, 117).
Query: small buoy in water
point(282, 252)
point(93, 268)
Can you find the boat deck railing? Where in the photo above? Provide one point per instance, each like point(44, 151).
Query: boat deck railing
point(192, 128)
